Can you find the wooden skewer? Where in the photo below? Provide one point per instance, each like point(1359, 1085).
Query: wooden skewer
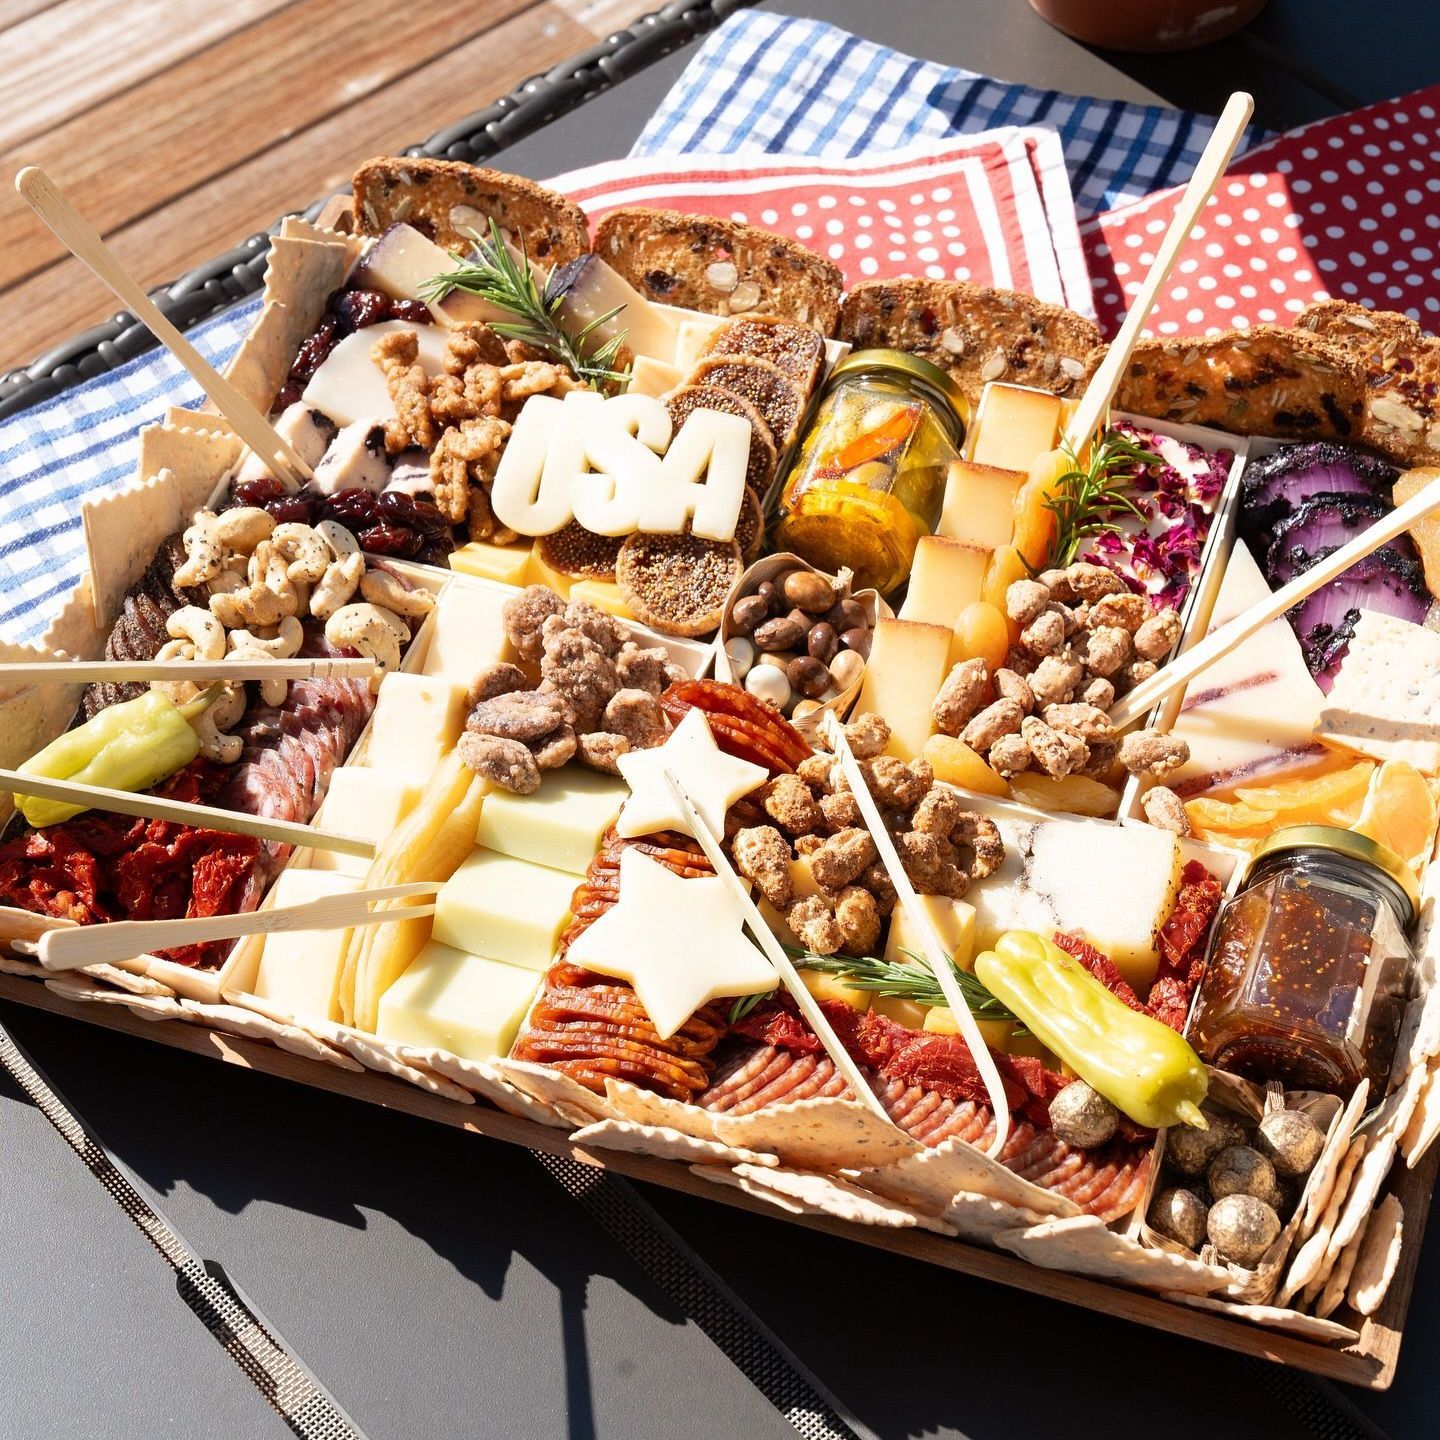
point(231, 667)
point(936, 956)
point(1185, 667)
point(83, 241)
point(69, 948)
point(775, 954)
point(182, 812)
point(1094, 403)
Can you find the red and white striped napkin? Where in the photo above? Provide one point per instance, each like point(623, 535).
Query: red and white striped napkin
point(994, 208)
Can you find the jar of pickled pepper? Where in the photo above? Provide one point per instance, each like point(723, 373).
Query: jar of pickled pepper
point(869, 477)
point(1310, 968)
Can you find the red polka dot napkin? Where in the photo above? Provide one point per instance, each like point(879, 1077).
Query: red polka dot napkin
point(1347, 207)
point(993, 208)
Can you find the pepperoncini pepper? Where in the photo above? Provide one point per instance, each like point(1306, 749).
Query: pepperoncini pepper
point(1144, 1068)
point(130, 746)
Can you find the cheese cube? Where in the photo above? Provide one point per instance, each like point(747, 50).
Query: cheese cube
point(603, 595)
point(504, 909)
point(560, 825)
point(504, 563)
point(954, 922)
point(459, 1002)
point(418, 719)
point(908, 664)
point(366, 803)
point(1014, 426)
point(538, 572)
point(945, 577)
point(941, 1021)
point(300, 969)
point(467, 632)
point(979, 504)
point(824, 986)
point(649, 376)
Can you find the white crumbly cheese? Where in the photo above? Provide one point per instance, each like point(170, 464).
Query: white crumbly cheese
point(1386, 699)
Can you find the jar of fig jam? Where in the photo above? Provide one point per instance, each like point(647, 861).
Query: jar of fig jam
point(1310, 967)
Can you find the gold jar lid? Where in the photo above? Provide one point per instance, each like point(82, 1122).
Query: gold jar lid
point(938, 385)
point(1339, 841)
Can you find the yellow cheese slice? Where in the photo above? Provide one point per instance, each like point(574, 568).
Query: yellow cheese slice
point(299, 970)
point(366, 803)
point(417, 719)
point(945, 577)
point(1014, 426)
point(505, 563)
point(467, 632)
point(560, 825)
point(504, 909)
point(908, 664)
point(979, 504)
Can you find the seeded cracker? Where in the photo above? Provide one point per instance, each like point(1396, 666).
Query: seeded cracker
point(677, 584)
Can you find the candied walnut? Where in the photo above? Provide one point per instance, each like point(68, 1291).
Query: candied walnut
point(1149, 752)
point(762, 854)
point(978, 844)
point(468, 455)
point(896, 785)
point(1001, 718)
point(960, 697)
point(1098, 692)
point(1124, 609)
point(813, 923)
point(635, 714)
point(555, 749)
point(1025, 600)
point(876, 879)
point(398, 356)
point(1138, 671)
point(868, 735)
point(1009, 756)
point(501, 678)
point(506, 763)
point(938, 813)
point(1092, 582)
point(1011, 685)
point(1045, 634)
point(601, 750)
point(841, 811)
point(520, 715)
point(642, 669)
point(788, 802)
point(1165, 810)
point(1090, 724)
point(524, 615)
point(841, 858)
point(859, 920)
point(930, 864)
point(605, 630)
point(1052, 753)
point(1157, 636)
point(577, 668)
point(1054, 680)
point(816, 772)
point(1104, 649)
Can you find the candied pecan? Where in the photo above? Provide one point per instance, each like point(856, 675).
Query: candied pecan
point(876, 879)
point(1090, 724)
point(1092, 582)
point(605, 630)
point(574, 665)
point(868, 735)
point(816, 771)
point(1104, 649)
point(601, 750)
point(501, 678)
point(960, 697)
point(788, 802)
point(1011, 685)
point(1150, 752)
point(1054, 679)
point(813, 923)
point(859, 920)
point(635, 714)
point(1052, 754)
point(519, 715)
point(1124, 608)
point(555, 749)
point(841, 811)
point(506, 763)
point(841, 858)
point(524, 615)
point(762, 854)
point(1025, 600)
point(642, 669)
point(1045, 634)
point(1157, 636)
point(1009, 755)
point(1001, 718)
point(1165, 810)
point(1098, 692)
point(896, 785)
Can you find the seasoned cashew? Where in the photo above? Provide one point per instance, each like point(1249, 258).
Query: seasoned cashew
point(203, 551)
point(337, 585)
point(366, 628)
point(306, 554)
point(244, 527)
point(251, 605)
point(225, 582)
point(382, 588)
point(285, 643)
point(338, 538)
point(200, 628)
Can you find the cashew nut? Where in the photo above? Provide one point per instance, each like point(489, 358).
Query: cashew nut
point(382, 588)
point(337, 585)
point(366, 628)
point(244, 527)
point(338, 538)
point(306, 554)
point(200, 628)
point(285, 643)
point(251, 605)
point(203, 551)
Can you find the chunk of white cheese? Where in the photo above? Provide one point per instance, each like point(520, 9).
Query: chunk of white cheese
point(504, 909)
point(365, 803)
point(417, 719)
point(350, 386)
point(299, 970)
point(467, 632)
point(560, 825)
point(356, 460)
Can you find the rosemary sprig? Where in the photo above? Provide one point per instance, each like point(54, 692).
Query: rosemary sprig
point(1091, 498)
point(497, 275)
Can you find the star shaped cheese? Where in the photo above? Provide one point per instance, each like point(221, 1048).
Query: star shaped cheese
point(713, 780)
point(649, 939)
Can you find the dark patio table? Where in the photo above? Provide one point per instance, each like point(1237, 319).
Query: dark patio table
point(442, 1285)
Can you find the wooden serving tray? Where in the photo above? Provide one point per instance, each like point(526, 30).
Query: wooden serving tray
point(1370, 1363)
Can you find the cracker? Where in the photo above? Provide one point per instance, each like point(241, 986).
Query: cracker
point(824, 1132)
point(555, 1088)
point(645, 1107)
point(931, 1179)
point(827, 1195)
point(1378, 1257)
point(1273, 1317)
point(249, 1025)
point(677, 583)
point(1309, 1262)
point(482, 1078)
point(662, 1143)
point(1085, 1245)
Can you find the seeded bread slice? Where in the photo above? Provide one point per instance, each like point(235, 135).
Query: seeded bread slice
point(974, 332)
point(447, 200)
point(1267, 380)
point(701, 262)
point(1402, 375)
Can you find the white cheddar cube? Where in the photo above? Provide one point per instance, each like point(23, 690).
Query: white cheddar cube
point(365, 803)
point(504, 909)
point(979, 504)
point(299, 970)
point(1015, 426)
point(458, 1002)
point(945, 577)
point(506, 564)
point(954, 922)
point(417, 720)
point(560, 825)
point(467, 632)
point(908, 664)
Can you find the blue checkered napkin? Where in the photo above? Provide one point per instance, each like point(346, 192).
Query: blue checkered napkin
point(80, 443)
point(782, 85)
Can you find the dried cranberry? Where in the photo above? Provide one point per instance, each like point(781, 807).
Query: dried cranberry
point(421, 515)
point(351, 506)
point(390, 540)
point(257, 491)
point(291, 509)
point(358, 308)
point(412, 312)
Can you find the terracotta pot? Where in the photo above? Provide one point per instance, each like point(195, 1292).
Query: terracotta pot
point(1148, 25)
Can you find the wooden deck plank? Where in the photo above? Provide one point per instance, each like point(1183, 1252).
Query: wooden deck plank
point(81, 52)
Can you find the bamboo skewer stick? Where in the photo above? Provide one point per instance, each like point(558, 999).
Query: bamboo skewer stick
point(231, 667)
point(182, 812)
point(70, 948)
point(775, 954)
point(83, 241)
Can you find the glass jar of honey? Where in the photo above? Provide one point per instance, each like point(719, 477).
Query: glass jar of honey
point(869, 477)
point(1310, 968)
